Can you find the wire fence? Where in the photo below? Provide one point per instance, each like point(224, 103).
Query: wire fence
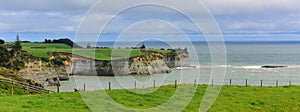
point(226, 82)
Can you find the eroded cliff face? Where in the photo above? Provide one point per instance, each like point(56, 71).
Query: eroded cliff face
point(39, 71)
point(119, 68)
point(178, 58)
point(151, 63)
point(155, 67)
point(148, 64)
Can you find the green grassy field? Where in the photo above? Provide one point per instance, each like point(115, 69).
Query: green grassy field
point(41, 50)
point(234, 98)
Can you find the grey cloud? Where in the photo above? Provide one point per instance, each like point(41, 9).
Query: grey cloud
point(65, 15)
point(228, 7)
point(45, 5)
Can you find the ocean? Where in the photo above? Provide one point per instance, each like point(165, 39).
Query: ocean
point(243, 62)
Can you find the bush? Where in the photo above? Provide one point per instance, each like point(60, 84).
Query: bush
point(5, 56)
point(2, 41)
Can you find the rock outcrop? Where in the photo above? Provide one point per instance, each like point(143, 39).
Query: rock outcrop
point(148, 64)
point(43, 74)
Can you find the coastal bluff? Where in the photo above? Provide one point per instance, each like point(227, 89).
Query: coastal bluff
point(150, 62)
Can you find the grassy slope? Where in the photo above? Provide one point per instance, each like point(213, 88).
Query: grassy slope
point(233, 98)
point(5, 89)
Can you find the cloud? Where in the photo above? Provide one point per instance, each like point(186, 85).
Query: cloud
point(65, 15)
point(229, 7)
point(42, 16)
point(46, 5)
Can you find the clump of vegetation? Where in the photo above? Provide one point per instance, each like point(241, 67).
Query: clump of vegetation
point(64, 41)
point(5, 56)
point(13, 59)
point(143, 46)
point(2, 41)
point(58, 60)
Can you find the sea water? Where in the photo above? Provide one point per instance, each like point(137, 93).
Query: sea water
point(243, 61)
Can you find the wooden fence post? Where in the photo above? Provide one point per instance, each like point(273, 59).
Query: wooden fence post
point(109, 86)
point(175, 83)
point(57, 87)
point(230, 82)
point(212, 82)
point(135, 84)
point(246, 82)
point(261, 83)
point(12, 87)
point(277, 83)
point(84, 87)
point(154, 83)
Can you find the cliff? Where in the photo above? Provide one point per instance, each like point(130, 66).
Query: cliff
point(149, 63)
point(41, 72)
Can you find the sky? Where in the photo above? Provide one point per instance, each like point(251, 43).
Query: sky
point(36, 20)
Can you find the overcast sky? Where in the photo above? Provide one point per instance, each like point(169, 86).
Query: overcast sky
point(232, 16)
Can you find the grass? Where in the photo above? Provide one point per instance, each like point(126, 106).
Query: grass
point(160, 51)
point(64, 102)
point(42, 49)
point(5, 89)
point(231, 98)
point(42, 52)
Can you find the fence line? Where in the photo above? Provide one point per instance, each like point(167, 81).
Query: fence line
point(246, 83)
point(195, 82)
point(26, 86)
point(261, 83)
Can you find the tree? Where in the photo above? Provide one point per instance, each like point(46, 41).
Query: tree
point(88, 45)
point(17, 46)
point(5, 56)
point(67, 41)
point(143, 46)
point(2, 41)
point(48, 41)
